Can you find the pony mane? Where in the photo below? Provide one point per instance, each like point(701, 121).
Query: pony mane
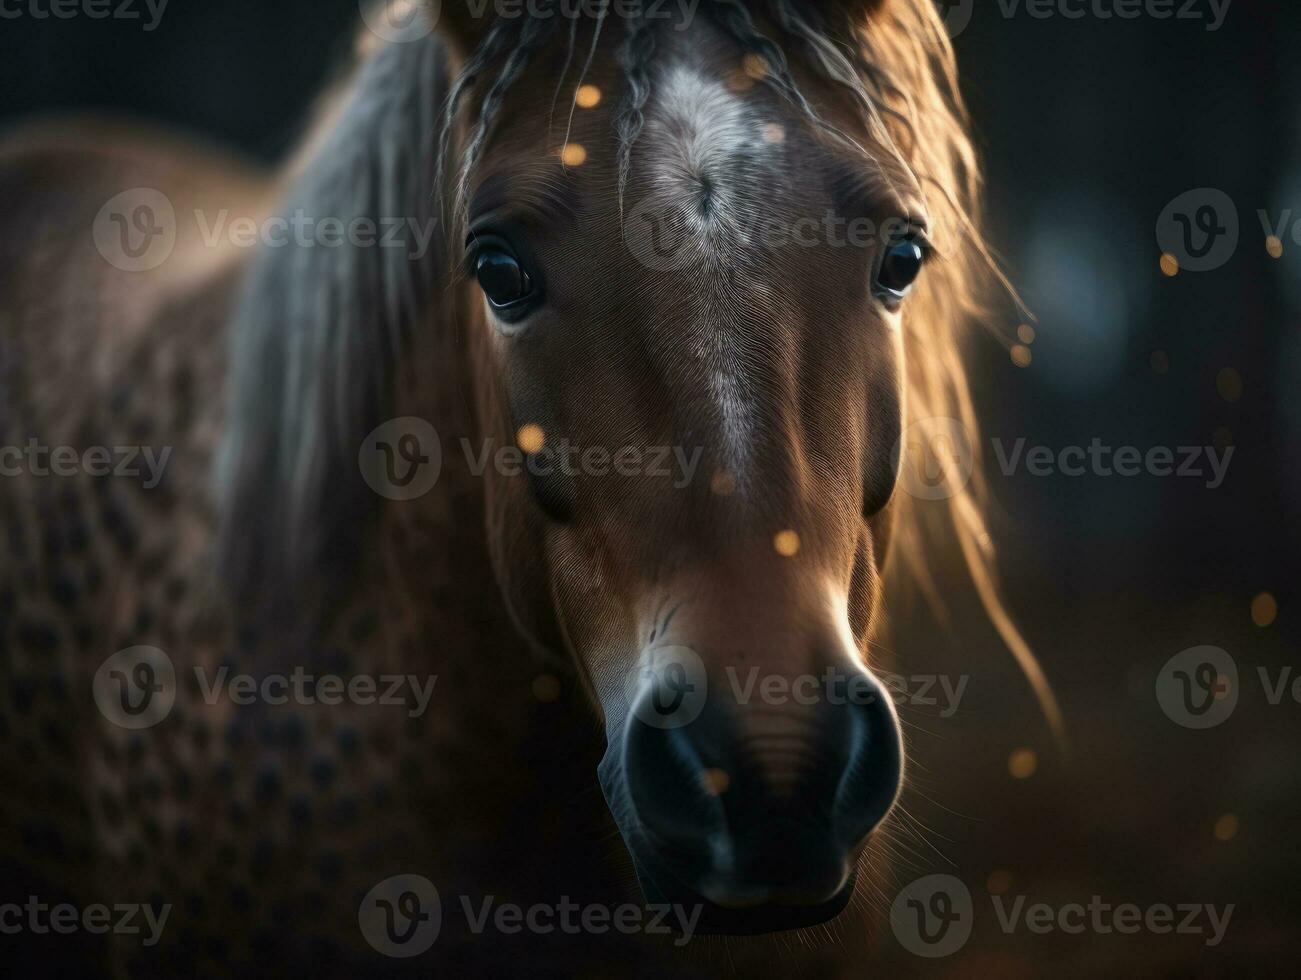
point(319, 333)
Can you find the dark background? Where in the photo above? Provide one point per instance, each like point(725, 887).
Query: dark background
point(1088, 127)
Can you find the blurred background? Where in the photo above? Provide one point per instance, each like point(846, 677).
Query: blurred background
point(1091, 128)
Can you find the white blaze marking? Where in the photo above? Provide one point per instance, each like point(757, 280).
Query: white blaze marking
point(703, 140)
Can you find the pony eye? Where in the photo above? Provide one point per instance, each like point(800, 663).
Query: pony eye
point(900, 267)
point(503, 280)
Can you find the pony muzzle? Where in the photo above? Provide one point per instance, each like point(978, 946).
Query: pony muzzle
point(754, 807)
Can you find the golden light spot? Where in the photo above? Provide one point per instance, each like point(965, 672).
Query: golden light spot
point(774, 133)
point(755, 66)
point(531, 438)
point(1229, 384)
point(715, 781)
point(1226, 828)
point(587, 97)
point(1021, 355)
point(1022, 763)
point(723, 483)
point(573, 155)
point(1264, 609)
point(1274, 246)
point(1025, 333)
point(787, 543)
point(546, 688)
point(1160, 361)
point(1222, 437)
point(998, 882)
point(1169, 264)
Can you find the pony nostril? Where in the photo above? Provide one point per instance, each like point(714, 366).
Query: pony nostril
point(873, 771)
point(675, 786)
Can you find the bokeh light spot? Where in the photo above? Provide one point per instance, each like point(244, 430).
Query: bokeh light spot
point(1264, 609)
point(1022, 763)
point(573, 155)
point(998, 882)
point(1229, 384)
point(531, 438)
point(715, 781)
point(1226, 828)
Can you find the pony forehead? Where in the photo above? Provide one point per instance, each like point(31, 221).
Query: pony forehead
point(700, 136)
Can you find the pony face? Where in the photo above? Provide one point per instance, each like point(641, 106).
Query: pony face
point(696, 341)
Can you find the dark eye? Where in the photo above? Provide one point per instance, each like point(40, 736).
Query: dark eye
point(504, 281)
point(900, 267)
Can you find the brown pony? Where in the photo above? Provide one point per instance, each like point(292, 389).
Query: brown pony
point(623, 434)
